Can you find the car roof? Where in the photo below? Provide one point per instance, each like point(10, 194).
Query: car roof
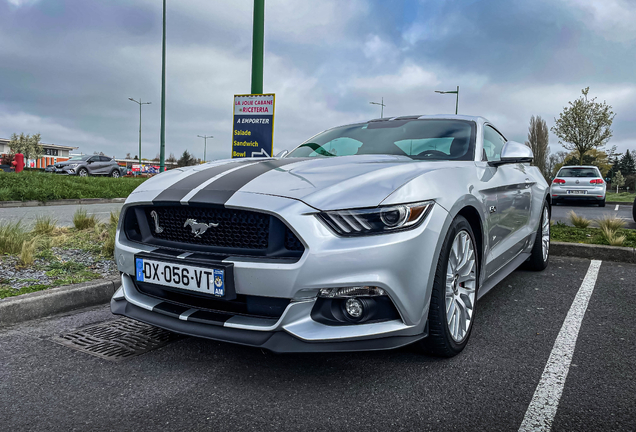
point(476, 119)
point(579, 166)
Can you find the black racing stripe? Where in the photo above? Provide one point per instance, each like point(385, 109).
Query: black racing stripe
point(220, 191)
point(209, 317)
point(170, 309)
point(181, 188)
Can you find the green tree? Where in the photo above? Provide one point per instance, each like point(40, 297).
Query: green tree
point(627, 164)
point(28, 145)
point(538, 136)
point(618, 180)
point(594, 157)
point(584, 125)
point(186, 159)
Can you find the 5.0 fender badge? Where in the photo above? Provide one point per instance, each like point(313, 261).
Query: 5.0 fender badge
point(199, 228)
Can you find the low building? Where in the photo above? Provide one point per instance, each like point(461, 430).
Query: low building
point(52, 153)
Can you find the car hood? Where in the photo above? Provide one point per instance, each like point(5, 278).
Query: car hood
point(323, 183)
point(64, 163)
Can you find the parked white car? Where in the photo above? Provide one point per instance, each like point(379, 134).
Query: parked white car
point(578, 183)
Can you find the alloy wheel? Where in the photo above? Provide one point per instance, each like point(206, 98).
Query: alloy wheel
point(83, 173)
point(461, 281)
point(545, 233)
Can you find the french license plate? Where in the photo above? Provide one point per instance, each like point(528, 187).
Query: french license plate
point(59, 170)
point(577, 192)
point(201, 279)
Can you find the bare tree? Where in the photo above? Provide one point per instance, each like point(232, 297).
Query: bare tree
point(584, 125)
point(555, 162)
point(538, 137)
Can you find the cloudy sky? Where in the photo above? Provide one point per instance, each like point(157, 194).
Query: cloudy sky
point(68, 67)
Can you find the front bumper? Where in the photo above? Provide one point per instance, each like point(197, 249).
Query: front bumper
point(65, 170)
point(400, 263)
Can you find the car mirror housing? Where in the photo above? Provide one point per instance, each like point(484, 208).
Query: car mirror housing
point(514, 152)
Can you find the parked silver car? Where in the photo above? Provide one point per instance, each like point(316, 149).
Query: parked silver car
point(368, 236)
point(578, 183)
point(89, 165)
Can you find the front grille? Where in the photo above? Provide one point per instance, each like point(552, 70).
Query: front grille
point(212, 229)
point(236, 228)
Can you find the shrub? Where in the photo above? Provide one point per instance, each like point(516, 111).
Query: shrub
point(610, 222)
point(578, 221)
point(27, 252)
point(44, 225)
point(108, 249)
point(611, 237)
point(12, 236)
point(82, 221)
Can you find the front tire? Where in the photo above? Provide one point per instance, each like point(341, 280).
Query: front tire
point(83, 172)
point(540, 254)
point(452, 308)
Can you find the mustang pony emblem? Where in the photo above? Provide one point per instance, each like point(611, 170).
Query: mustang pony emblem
point(198, 228)
point(155, 216)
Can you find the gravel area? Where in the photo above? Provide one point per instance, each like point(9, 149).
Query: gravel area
point(36, 274)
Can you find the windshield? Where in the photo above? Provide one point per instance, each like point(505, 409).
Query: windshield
point(77, 158)
point(429, 139)
point(578, 172)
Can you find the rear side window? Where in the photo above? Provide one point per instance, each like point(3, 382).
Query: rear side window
point(105, 158)
point(579, 172)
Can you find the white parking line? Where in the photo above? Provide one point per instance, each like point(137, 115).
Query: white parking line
point(616, 209)
point(545, 401)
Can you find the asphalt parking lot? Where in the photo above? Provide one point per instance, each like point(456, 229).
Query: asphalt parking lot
point(195, 384)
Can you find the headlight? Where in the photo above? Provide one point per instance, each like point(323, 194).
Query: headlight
point(378, 220)
point(73, 165)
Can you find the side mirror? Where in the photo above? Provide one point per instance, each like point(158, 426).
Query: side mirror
point(282, 154)
point(514, 152)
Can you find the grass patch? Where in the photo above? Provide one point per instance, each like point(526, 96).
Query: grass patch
point(620, 197)
point(6, 291)
point(610, 223)
point(564, 233)
point(39, 186)
point(82, 221)
point(12, 237)
point(108, 249)
point(44, 225)
point(27, 253)
point(578, 221)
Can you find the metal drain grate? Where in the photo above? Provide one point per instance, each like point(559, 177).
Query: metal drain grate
point(117, 340)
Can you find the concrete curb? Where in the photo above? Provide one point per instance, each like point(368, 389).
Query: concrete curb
point(52, 301)
point(600, 252)
point(5, 204)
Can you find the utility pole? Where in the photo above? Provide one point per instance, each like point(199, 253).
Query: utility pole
point(140, 104)
point(257, 46)
point(205, 145)
point(456, 92)
point(162, 148)
point(382, 105)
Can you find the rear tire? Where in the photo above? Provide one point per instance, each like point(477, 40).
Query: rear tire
point(602, 203)
point(115, 174)
point(634, 210)
point(540, 255)
point(448, 337)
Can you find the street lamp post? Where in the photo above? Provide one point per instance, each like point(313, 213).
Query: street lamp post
point(162, 145)
point(140, 103)
point(205, 145)
point(382, 105)
point(456, 92)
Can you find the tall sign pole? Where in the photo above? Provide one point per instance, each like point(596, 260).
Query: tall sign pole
point(162, 151)
point(257, 46)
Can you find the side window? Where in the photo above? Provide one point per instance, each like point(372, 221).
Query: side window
point(94, 159)
point(104, 158)
point(493, 143)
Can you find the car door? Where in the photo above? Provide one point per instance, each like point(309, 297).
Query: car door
point(513, 185)
point(92, 164)
point(108, 164)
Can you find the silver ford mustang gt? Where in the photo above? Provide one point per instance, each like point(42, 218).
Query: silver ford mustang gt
point(368, 236)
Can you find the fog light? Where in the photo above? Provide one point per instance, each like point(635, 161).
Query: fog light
point(354, 308)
